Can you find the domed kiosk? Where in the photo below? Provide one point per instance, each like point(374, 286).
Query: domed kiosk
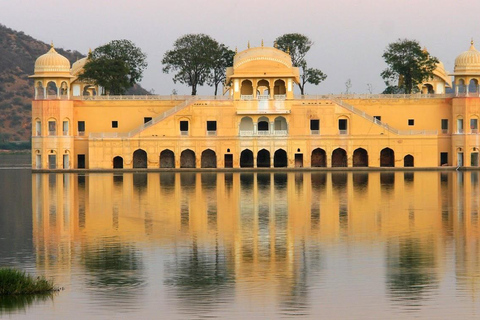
point(467, 72)
point(262, 73)
point(52, 75)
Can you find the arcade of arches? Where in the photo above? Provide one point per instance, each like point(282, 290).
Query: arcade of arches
point(264, 159)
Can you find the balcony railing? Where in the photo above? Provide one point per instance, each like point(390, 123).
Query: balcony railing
point(314, 132)
point(280, 96)
point(246, 97)
point(263, 97)
point(81, 133)
point(263, 133)
point(211, 133)
point(444, 131)
point(184, 133)
point(52, 133)
point(342, 132)
point(65, 133)
point(474, 130)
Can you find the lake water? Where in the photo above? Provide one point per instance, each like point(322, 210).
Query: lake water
point(266, 245)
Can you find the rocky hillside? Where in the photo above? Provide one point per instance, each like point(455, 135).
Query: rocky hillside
point(18, 53)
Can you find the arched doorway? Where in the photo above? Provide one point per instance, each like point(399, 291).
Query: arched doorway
point(118, 162)
point(339, 158)
point(263, 159)
point(280, 159)
point(187, 159)
point(408, 161)
point(387, 158)
point(246, 159)
point(167, 159)
point(140, 159)
point(209, 159)
point(319, 158)
point(263, 89)
point(360, 158)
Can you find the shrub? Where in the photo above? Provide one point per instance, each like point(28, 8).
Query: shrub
point(14, 281)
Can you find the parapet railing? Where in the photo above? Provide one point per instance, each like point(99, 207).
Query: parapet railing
point(380, 123)
point(250, 97)
point(150, 97)
point(375, 96)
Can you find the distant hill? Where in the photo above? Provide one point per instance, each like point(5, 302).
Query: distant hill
point(18, 53)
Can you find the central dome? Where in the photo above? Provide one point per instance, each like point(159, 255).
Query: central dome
point(468, 61)
point(52, 63)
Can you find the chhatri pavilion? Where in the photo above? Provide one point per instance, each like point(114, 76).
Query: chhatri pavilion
point(260, 123)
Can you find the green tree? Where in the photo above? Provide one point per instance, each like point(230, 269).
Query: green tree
point(298, 46)
point(116, 66)
point(408, 66)
point(222, 59)
point(192, 59)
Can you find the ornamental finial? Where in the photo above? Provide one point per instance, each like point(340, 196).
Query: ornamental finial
point(248, 45)
point(262, 42)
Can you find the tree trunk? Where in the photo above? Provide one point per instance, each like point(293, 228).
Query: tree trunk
point(194, 90)
point(216, 88)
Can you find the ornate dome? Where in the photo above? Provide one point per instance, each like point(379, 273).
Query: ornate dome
point(78, 65)
point(468, 61)
point(262, 54)
point(52, 63)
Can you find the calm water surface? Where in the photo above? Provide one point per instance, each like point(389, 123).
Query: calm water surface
point(244, 245)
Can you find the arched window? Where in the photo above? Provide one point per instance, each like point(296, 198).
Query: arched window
point(246, 90)
point(52, 127)
point(246, 126)
point(280, 125)
point(52, 90)
point(263, 124)
point(473, 86)
point(263, 90)
point(279, 89)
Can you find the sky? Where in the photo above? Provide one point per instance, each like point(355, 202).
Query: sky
point(349, 36)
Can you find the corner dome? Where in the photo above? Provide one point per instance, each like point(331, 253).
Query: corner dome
point(52, 63)
point(468, 62)
point(77, 66)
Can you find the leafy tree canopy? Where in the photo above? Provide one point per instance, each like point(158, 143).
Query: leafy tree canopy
point(116, 66)
point(298, 46)
point(195, 59)
point(408, 66)
point(222, 59)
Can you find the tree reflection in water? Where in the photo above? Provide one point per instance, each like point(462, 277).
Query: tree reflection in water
point(411, 271)
point(113, 265)
point(202, 279)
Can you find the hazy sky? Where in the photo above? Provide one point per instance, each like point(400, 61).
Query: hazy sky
point(350, 35)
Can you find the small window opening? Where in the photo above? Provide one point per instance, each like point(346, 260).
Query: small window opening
point(411, 122)
point(211, 125)
point(314, 124)
point(114, 124)
point(184, 126)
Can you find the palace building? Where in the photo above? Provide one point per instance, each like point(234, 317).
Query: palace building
point(260, 123)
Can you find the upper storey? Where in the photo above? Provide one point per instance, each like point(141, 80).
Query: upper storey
point(262, 73)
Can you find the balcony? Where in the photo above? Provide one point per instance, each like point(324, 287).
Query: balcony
point(211, 133)
point(314, 132)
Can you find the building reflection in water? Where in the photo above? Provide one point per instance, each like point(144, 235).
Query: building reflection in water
point(263, 235)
